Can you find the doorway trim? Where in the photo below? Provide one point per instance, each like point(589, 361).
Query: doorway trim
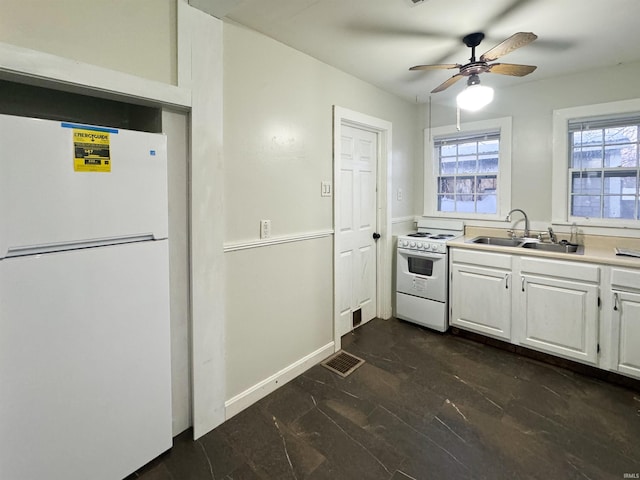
point(343, 116)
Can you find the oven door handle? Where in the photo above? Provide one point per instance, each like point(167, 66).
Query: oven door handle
point(416, 253)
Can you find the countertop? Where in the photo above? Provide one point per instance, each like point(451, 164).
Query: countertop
point(597, 249)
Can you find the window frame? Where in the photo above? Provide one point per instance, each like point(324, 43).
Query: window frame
point(561, 171)
point(431, 171)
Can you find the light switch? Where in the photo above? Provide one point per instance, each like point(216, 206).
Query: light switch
point(265, 228)
point(325, 189)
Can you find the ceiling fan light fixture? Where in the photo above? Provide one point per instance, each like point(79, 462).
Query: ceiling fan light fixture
point(474, 97)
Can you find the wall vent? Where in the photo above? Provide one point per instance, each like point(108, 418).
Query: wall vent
point(356, 318)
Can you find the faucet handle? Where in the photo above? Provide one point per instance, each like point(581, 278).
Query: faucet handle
point(541, 236)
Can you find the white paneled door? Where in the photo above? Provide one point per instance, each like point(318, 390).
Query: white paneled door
point(357, 225)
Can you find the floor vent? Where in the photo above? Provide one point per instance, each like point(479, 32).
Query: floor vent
point(342, 363)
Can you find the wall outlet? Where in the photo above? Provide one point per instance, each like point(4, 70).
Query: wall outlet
point(400, 195)
point(265, 228)
point(325, 189)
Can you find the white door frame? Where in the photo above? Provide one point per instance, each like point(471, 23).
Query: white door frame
point(343, 116)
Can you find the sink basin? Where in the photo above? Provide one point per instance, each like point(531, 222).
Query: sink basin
point(529, 243)
point(498, 241)
point(554, 247)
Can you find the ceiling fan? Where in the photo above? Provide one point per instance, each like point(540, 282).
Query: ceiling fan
point(482, 65)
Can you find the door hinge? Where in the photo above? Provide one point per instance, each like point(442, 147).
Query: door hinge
point(598, 348)
point(599, 302)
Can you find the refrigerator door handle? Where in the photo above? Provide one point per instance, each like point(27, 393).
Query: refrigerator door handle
point(63, 246)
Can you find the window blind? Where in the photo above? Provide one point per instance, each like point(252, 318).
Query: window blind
point(459, 139)
point(596, 123)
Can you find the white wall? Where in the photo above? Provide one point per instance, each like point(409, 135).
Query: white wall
point(200, 48)
point(132, 36)
point(531, 104)
point(176, 126)
point(278, 148)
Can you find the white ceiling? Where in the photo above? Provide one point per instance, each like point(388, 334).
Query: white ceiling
point(378, 40)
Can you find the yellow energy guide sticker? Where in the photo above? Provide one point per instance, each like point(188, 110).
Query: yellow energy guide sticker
point(91, 151)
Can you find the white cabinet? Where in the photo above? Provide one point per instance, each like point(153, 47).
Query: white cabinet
point(625, 306)
point(557, 308)
point(481, 292)
point(544, 304)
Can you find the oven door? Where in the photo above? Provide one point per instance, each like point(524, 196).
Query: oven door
point(422, 274)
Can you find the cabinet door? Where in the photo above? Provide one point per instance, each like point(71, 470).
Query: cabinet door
point(559, 317)
point(626, 320)
point(481, 300)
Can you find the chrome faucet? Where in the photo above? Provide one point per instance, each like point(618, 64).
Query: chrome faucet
point(526, 220)
point(552, 236)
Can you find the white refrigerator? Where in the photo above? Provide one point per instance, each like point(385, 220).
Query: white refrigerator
point(84, 301)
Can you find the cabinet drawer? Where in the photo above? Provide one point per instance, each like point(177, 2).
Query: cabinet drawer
point(557, 268)
point(488, 259)
point(625, 279)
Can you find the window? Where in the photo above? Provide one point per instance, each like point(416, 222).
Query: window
point(468, 173)
point(464, 169)
point(596, 167)
point(603, 167)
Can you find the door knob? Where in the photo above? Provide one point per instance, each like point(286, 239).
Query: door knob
point(376, 235)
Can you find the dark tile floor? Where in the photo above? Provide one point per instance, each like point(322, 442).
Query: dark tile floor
point(423, 406)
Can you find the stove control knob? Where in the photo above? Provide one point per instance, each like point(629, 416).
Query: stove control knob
point(412, 244)
point(434, 247)
point(420, 246)
point(403, 243)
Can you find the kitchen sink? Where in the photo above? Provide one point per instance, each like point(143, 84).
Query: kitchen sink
point(529, 243)
point(499, 241)
point(554, 247)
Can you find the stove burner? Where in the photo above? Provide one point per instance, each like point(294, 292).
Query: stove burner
point(433, 236)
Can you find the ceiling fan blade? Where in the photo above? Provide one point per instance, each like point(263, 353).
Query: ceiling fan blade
point(437, 66)
point(512, 43)
point(511, 69)
point(448, 83)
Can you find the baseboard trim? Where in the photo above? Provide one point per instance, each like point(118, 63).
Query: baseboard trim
point(260, 390)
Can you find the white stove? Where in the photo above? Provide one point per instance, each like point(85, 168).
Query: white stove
point(421, 273)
